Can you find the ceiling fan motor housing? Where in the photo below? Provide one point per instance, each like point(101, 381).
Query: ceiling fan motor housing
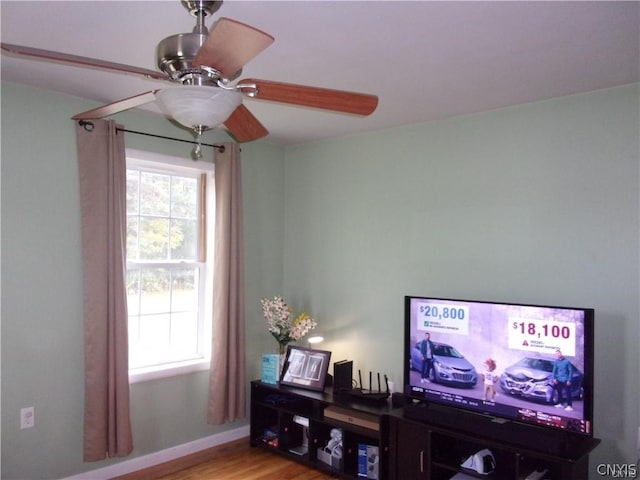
point(175, 57)
point(175, 54)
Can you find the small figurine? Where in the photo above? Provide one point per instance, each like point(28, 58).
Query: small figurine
point(334, 445)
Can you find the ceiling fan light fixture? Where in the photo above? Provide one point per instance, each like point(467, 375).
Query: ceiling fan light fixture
point(198, 107)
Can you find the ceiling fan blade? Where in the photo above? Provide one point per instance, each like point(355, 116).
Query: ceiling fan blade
point(244, 126)
point(79, 61)
point(117, 107)
point(326, 99)
point(230, 45)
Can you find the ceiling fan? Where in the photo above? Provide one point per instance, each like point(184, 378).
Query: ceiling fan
point(205, 65)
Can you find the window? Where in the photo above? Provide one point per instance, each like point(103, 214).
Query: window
point(168, 234)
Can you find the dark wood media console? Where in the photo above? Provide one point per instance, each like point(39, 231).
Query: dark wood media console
point(409, 446)
point(431, 443)
point(277, 423)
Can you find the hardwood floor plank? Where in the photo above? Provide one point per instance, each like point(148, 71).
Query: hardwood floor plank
point(232, 461)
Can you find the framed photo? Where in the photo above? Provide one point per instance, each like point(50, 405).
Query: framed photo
point(305, 368)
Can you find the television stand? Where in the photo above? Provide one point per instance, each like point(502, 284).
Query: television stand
point(300, 424)
point(419, 442)
point(515, 433)
point(431, 440)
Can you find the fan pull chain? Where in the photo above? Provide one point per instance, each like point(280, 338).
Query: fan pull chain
point(196, 154)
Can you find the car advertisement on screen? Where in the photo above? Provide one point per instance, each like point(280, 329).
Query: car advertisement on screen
point(521, 362)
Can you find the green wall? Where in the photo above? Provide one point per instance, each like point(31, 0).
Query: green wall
point(42, 352)
point(537, 204)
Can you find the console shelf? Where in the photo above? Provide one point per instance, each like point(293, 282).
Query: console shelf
point(279, 414)
point(435, 451)
point(410, 444)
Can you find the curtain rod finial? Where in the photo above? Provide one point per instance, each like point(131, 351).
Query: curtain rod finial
point(87, 125)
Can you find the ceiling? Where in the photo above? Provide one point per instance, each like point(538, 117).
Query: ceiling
point(426, 60)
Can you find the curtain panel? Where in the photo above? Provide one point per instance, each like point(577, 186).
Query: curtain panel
point(102, 175)
point(227, 385)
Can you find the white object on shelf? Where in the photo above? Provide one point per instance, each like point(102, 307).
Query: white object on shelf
point(481, 462)
point(536, 474)
point(463, 476)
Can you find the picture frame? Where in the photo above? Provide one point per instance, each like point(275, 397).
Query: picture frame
point(305, 368)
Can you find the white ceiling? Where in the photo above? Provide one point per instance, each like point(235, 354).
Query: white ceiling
point(426, 60)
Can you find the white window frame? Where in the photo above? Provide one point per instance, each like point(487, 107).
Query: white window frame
point(155, 161)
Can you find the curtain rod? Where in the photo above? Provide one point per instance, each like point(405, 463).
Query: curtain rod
point(89, 126)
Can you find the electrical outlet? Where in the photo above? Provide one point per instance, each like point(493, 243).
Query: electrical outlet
point(27, 417)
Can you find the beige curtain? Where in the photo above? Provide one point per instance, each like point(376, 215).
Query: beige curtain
point(227, 383)
point(102, 173)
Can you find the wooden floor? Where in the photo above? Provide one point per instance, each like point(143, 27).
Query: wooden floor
point(233, 461)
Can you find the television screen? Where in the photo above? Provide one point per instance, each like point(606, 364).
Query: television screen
point(528, 363)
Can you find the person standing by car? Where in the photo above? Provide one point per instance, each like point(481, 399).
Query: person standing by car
point(426, 349)
point(562, 374)
point(490, 379)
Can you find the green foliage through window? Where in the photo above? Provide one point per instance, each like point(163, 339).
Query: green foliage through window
point(164, 273)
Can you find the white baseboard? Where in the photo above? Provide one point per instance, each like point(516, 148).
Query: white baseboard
point(146, 461)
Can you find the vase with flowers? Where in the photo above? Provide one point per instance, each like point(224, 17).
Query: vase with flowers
point(281, 323)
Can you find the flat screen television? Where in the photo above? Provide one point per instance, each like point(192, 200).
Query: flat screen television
point(498, 359)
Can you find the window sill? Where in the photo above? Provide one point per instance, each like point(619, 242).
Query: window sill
point(163, 371)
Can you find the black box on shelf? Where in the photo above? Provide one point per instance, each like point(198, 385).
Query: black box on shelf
point(342, 376)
